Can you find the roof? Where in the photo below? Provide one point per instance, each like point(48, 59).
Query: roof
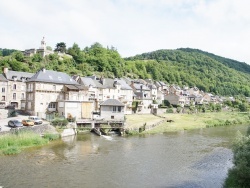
point(138, 87)
point(108, 83)
point(124, 84)
point(87, 81)
point(2, 78)
point(50, 76)
point(111, 102)
point(76, 87)
point(19, 76)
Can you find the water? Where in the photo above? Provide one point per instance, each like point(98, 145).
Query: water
point(187, 159)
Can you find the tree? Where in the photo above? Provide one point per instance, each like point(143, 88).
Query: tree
point(61, 47)
point(239, 175)
point(243, 107)
point(18, 56)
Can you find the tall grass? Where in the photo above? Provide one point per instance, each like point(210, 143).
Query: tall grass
point(14, 143)
point(185, 121)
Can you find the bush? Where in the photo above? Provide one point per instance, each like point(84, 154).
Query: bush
point(239, 175)
point(170, 110)
point(11, 150)
point(59, 122)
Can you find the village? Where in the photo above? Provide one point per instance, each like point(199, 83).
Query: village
point(49, 94)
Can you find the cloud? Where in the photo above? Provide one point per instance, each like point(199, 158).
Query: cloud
point(132, 26)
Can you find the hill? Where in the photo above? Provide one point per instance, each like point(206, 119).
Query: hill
point(240, 66)
point(189, 67)
point(192, 67)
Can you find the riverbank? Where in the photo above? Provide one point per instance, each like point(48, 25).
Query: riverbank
point(177, 122)
point(14, 143)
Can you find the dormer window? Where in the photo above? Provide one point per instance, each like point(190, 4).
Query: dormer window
point(14, 78)
point(23, 79)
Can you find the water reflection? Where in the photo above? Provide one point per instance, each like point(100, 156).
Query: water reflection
point(197, 158)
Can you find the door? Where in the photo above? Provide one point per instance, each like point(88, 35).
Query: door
point(87, 109)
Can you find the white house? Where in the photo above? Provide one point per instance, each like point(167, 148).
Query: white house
point(112, 110)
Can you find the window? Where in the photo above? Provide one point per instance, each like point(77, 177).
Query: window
point(14, 96)
point(54, 87)
point(22, 95)
point(14, 86)
point(52, 105)
point(3, 98)
point(114, 108)
point(112, 117)
point(29, 105)
point(119, 108)
point(3, 89)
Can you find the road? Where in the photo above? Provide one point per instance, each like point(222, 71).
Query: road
point(4, 122)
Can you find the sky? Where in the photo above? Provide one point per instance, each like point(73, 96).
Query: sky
point(133, 27)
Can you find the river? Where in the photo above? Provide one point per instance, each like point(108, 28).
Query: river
point(187, 159)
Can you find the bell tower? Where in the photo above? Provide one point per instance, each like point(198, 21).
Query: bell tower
point(43, 44)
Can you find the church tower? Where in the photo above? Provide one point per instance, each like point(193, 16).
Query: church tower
point(43, 44)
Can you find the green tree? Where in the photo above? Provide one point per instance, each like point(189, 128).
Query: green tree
point(61, 47)
point(239, 175)
point(243, 107)
point(18, 56)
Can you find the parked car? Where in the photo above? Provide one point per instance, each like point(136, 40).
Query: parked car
point(15, 123)
point(36, 120)
point(27, 122)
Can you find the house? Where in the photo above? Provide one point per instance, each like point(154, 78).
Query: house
point(174, 89)
point(126, 96)
point(194, 91)
point(112, 110)
point(94, 89)
point(176, 99)
point(161, 86)
point(209, 98)
point(50, 92)
point(3, 91)
point(101, 89)
point(16, 87)
point(142, 95)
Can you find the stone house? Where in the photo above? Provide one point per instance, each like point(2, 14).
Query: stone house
point(194, 91)
point(50, 92)
point(209, 98)
point(175, 99)
point(142, 94)
point(112, 110)
point(174, 89)
point(15, 91)
point(3, 91)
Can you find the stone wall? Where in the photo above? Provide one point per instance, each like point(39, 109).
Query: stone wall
point(38, 129)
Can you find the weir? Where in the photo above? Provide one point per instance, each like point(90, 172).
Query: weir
point(98, 125)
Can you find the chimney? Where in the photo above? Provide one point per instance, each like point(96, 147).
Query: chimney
point(43, 69)
point(5, 70)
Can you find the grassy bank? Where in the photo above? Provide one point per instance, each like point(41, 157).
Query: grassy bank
point(15, 143)
point(185, 121)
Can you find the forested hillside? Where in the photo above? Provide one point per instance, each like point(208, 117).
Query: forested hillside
point(240, 66)
point(189, 67)
point(193, 68)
